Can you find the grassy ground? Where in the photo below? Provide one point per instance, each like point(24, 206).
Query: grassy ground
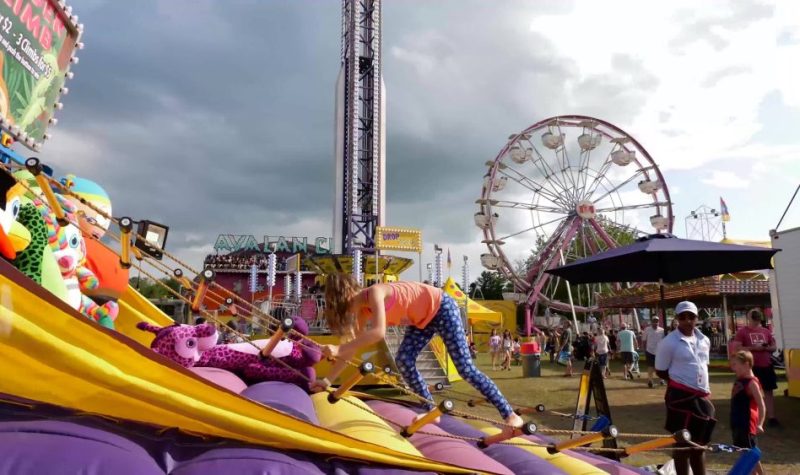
point(637, 408)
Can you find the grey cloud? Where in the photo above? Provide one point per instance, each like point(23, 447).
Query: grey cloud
point(714, 78)
point(617, 96)
point(734, 15)
point(215, 116)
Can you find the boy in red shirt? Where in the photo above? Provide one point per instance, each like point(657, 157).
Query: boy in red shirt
point(747, 404)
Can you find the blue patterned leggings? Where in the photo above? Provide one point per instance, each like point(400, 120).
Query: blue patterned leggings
point(447, 323)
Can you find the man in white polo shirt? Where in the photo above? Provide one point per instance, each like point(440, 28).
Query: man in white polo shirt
point(682, 358)
point(653, 335)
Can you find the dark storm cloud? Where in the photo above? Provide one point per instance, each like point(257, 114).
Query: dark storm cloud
point(217, 115)
point(211, 116)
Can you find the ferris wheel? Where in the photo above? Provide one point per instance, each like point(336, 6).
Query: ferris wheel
point(566, 188)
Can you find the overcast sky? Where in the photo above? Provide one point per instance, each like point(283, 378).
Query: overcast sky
point(216, 116)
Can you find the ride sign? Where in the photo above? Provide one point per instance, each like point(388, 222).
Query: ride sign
point(37, 40)
point(398, 239)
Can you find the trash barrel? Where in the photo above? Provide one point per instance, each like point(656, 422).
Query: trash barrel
point(531, 360)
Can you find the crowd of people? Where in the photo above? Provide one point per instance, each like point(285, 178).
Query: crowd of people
point(243, 262)
point(234, 262)
point(677, 357)
point(505, 349)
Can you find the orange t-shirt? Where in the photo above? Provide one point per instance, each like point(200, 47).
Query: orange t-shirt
point(411, 303)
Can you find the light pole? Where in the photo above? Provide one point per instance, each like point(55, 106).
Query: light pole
point(438, 270)
point(465, 275)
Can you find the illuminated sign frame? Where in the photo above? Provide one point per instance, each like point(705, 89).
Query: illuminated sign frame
point(38, 39)
point(398, 239)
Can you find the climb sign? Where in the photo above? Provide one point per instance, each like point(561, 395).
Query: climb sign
point(37, 39)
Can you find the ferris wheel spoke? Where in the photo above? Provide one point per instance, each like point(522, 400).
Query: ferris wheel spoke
point(549, 172)
point(583, 174)
point(612, 190)
point(530, 228)
point(530, 184)
point(526, 206)
point(630, 207)
point(566, 164)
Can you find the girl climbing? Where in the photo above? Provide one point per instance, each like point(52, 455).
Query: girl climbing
point(361, 316)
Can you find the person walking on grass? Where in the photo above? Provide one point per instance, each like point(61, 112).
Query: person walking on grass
point(506, 350)
point(494, 347)
point(601, 350)
point(626, 342)
point(759, 341)
point(682, 360)
point(360, 316)
point(651, 338)
point(566, 348)
point(748, 410)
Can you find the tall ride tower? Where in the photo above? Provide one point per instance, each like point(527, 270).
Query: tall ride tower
point(360, 149)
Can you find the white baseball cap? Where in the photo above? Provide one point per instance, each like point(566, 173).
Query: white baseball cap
point(686, 306)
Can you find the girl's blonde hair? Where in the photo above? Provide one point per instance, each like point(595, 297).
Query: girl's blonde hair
point(340, 290)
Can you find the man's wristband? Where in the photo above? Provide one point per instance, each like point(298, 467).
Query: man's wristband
point(326, 381)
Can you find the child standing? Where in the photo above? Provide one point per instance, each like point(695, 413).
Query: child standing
point(494, 347)
point(748, 410)
point(362, 315)
point(507, 343)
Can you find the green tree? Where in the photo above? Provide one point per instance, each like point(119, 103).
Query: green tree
point(155, 290)
point(578, 248)
point(490, 286)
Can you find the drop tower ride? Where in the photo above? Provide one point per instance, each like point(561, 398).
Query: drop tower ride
point(360, 128)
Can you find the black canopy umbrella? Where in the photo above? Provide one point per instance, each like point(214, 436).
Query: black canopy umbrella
point(665, 258)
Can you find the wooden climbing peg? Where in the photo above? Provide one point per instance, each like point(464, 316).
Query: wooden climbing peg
point(529, 428)
point(231, 306)
point(185, 283)
point(206, 277)
point(444, 407)
point(661, 442)
point(35, 167)
point(523, 411)
point(363, 370)
point(436, 387)
point(125, 228)
point(609, 432)
point(286, 326)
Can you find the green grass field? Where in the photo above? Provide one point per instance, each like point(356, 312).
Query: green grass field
point(635, 408)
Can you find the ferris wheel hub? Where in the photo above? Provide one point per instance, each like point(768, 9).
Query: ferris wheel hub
point(585, 209)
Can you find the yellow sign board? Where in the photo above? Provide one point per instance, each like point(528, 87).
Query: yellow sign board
point(398, 239)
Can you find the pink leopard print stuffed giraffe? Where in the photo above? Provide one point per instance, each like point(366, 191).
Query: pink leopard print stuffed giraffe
point(191, 346)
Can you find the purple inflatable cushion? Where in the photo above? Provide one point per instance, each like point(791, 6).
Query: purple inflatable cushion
point(603, 463)
point(354, 468)
point(284, 397)
point(246, 461)
point(442, 449)
point(518, 460)
point(221, 377)
point(50, 446)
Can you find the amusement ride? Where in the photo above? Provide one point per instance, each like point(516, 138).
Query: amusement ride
point(82, 379)
point(566, 188)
